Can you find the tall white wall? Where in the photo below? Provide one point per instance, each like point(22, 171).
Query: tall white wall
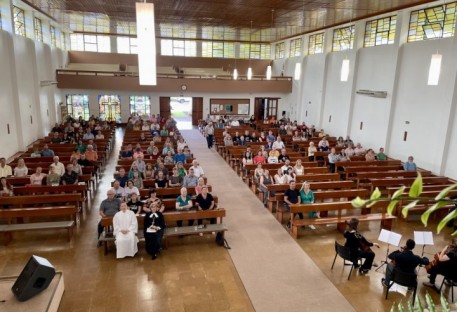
point(9, 140)
point(375, 71)
point(421, 110)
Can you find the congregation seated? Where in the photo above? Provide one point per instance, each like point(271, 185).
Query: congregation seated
point(21, 169)
point(37, 177)
point(5, 188)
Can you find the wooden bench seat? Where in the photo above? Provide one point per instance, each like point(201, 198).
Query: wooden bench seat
point(171, 230)
point(339, 219)
point(366, 176)
point(320, 196)
point(32, 200)
point(383, 183)
point(10, 214)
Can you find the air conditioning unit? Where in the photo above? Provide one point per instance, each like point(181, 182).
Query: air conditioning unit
point(47, 83)
point(377, 94)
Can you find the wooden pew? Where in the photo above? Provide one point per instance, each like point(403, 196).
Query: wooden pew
point(10, 214)
point(320, 196)
point(364, 176)
point(383, 183)
point(32, 200)
point(171, 230)
point(340, 219)
point(43, 189)
point(279, 189)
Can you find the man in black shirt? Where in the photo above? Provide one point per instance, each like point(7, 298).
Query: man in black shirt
point(69, 177)
point(205, 201)
point(283, 157)
point(405, 261)
point(122, 177)
point(292, 196)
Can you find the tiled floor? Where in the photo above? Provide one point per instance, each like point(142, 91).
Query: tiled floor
point(195, 275)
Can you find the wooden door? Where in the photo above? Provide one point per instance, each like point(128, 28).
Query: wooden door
point(258, 109)
point(165, 111)
point(197, 110)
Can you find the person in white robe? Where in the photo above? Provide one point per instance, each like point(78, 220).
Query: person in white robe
point(125, 228)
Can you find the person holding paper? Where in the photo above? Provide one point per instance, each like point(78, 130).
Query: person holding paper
point(404, 260)
point(445, 265)
point(359, 246)
point(154, 227)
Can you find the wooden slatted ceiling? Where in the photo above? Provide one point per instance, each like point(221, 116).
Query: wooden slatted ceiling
point(290, 16)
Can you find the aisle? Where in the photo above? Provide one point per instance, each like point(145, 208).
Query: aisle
point(277, 274)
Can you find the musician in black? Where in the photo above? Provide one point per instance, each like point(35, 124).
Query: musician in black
point(404, 260)
point(359, 246)
point(445, 264)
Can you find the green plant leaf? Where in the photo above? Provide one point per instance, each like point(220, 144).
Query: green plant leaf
point(410, 306)
point(416, 187)
point(392, 308)
point(420, 307)
point(398, 192)
point(405, 209)
point(401, 308)
point(430, 303)
point(450, 216)
point(376, 194)
point(358, 202)
point(426, 214)
point(445, 191)
point(444, 304)
point(454, 233)
point(391, 207)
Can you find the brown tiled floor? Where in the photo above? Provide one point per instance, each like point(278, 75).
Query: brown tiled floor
point(193, 274)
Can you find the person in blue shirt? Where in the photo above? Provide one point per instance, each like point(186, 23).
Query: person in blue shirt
point(410, 165)
point(46, 152)
point(179, 157)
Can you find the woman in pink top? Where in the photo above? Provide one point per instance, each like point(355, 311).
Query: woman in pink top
point(37, 177)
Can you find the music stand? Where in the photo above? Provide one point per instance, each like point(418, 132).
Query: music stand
point(390, 238)
point(423, 238)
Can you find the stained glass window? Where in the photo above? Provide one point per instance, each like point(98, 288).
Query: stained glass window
point(280, 50)
point(178, 47)
point(78, 105)
point(83, 42)
point(343, 39)
point(432, 23)
point(52, 31)
point(110, 107)
point(218, 49)
point(19, 21)
point(295, 47)
point(316, 44)
point(255, 50)
point(141, 105)
point(380, 31)
point(38, 29)
point(127, 45)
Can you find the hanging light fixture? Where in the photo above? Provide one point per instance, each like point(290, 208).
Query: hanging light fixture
point(235, 74)
point(434, 70)
point(250, 43)
point(269, 72)
point(145, 29)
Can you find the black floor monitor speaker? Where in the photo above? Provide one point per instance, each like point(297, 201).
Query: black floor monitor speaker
point(35, 277)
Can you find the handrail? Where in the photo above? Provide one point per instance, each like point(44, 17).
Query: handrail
point(159, 75)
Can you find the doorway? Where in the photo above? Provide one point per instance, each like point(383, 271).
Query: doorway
point(181, 111)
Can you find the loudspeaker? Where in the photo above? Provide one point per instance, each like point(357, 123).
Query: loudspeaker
point(35, 277)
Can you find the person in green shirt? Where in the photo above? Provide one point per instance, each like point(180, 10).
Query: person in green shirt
point(381, 155)
point(307, 197)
